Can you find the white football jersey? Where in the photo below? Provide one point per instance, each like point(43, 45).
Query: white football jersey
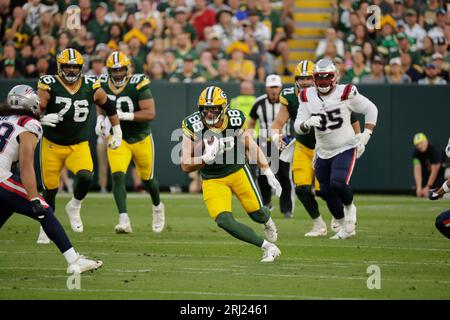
point(10, 128)
point(335, 135)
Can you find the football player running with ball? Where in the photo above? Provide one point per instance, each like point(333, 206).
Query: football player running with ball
point(135, 108)
point(443, 220)
point(20, 133)
point(67, 101)
point(223, 168)
point(327, 108)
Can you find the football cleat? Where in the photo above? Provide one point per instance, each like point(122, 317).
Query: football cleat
point(43, 238)
point(74, 216)
point(82, 264)
point(335, 225)
point(342, 234)
point(158, 218)
point(270, 229)
point(270, 253)
point(124, 225)
point(319, 229)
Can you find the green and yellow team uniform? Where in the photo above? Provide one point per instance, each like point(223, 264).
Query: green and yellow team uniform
point(67, 144)
point(302, 167)
point(137, 141)
point(220, 181)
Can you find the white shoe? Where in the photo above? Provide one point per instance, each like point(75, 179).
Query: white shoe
point(82, 264)
point(270, 229)
point(342, 234)
point(74, 217)
point(350, 218)
point(158, 218)
point(124, 225)
point(319, 229)
point(43, 238)
point(270, 253)
point(335, 225)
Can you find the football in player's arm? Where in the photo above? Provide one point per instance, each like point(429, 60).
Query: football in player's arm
point(135, 108)
point(67, 102)
point(21, 133)
point(327, 107)
point(227, 138)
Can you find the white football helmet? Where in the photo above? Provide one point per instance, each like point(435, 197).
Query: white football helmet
point(23, 97)
point(325, 75)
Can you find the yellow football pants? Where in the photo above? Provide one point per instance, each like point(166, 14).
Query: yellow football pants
point(217, 193)
point(54, 157)
point(302, 166)
point(142, 154)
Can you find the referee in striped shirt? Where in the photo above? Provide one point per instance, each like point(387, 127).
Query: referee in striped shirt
point(265, 109)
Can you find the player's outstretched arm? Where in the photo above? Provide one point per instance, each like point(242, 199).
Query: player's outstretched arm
point(147, 112)
point(27, 145)
point(277, 124)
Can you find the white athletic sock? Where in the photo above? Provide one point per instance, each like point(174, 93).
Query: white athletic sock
point(319, 220)
point(123, 218)
point(266, 244)
point(349, 206)
point(70, 255)
point(75, 202)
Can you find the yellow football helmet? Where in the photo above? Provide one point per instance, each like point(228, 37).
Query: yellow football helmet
point(303, 74)
point(70, 65)
point(118, 65)
point(213, 104)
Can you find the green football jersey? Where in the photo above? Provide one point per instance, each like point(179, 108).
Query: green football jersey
point(233, 159)
point(127, 100)
point(76, 108)
point(289, 98)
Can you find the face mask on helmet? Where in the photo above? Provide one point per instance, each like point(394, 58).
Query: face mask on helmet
point(324, 81)
point(71, 72)
point(304, 82)
point(118, 76)
point(211, 114)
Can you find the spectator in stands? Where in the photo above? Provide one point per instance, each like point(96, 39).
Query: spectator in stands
point(239, 67)
point(398, 14)
point(9, 70)
point(369, 52)
point(102, 50)
point(119, 15)
point(26, 55)
point(99, 26)
point(413, 71)
point(340, 65)
point(17, 29)
point(97, 66)
point(137, 54)
point(429, 14)
point(223, 74)
point(404, 45)
point(156, 53)
point(441, 20)
point(146, 14)
point(89, 48)
point(427, 49)
point(239, 12)
point(226, 29)
point(171, 33)
point(441, 66)
point(170, 61)
point(358, 70)
point(218, 5)
point(33, 11)
point(115, 35)
point(341, 15)
point(86, 14)
point(156, 71)
point(202, 17)
point(181, 16)
point(442, 48)
point(431, 76)
point(189, 72)
point(330, 36)
point(42, 66)
point(287, 16)
point(396, 74)
point(427, 161)
point(47, 25)
point(330, 52)
point(10, 55)
point(207, 67)
point(387, 41)
point(256, 55)
point(413, 29)
point(183, 47)
point(214, 46)
point(376, 75)
point(5, 13)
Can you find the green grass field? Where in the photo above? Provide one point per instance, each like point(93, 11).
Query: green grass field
point(194, 259)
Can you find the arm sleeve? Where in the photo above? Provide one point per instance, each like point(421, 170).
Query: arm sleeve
point(353, 118)
point(303, 114)
point(35, 127)
point(360, 104)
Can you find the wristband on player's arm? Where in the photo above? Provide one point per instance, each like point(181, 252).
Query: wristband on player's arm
point(109, 107)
